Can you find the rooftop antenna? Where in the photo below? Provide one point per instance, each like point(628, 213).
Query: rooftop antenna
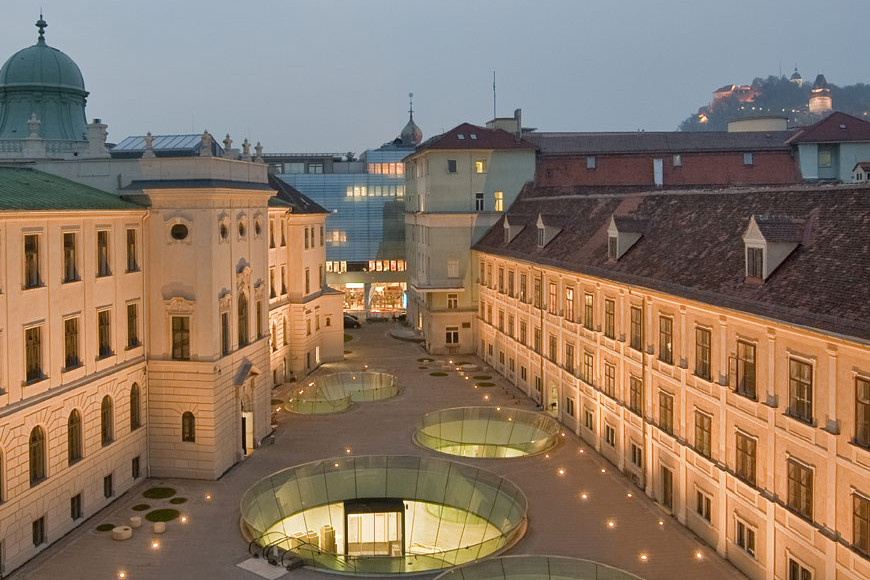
point(493, 95)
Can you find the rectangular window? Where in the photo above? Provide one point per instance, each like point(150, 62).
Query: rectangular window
point(134, 468)
point(800, 390)
point(501, 320)
point(612, 247)
point(678, 160)
point(104, 333)
point(452, 301)
point(861, 523)
point(590, 162)
point(745, 538)
point(588, 419)
point(636, 455)
point(703, 433)
point(745, 467)
point(588, 367)
point(108, 487)
point(181, 338)
point(569, 406)
point(501, 280)
point(132, 325)
point(522, 336)
point(747, 159)
point(307, 281)
point(499, 201)
point(553, 347)
point(523, 373)
point(667, 488)
point(702, 353)
point(635, 402)
point(510, 283)
point(71, 343)
point(70, 262)
point(536, 346)
point(666, 339)
point(609, 380)
point(797, 572)
point(588, 310)
point(132, 259)
point(609, 316)
point(480, 166)
point(569, 304)
point(538, 291)
point(33, 353)
point(39, 531)
point(703, 505)
point(75, 507)
point(636, 338)
point(225, 333)
point(452, 335)
point(666, 412)
point(862, 412)
point(306, 238)
point(523, 287)
point(451, 166)
point(745, 371)
point(510, 326)
point(32, 277)
point(489, 278)
point(259, 320)
point(800, 488)
point(552, 302)
point(609, 435)
point(103, 253)
point(755, 263)
point(569, 357)
point(453, 268)
point(272, 292)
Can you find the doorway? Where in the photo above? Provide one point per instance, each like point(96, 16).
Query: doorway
point(374, 527)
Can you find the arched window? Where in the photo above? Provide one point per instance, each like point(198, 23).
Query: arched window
point(74, 436)
point(188, 427)
point(135, 408)
point(37, 455)
point(243, 320)
point(107, 424)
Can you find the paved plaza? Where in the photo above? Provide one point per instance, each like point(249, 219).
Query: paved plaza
point(210, 544)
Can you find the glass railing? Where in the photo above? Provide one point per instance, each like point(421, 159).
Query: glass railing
point(537, 568)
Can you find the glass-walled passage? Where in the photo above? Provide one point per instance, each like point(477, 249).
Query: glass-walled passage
point(338, 391)
point(383, 514)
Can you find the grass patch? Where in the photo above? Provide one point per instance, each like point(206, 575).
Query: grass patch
point(481, 377)
point(105, 527)
point(347, 338)
point(485, 384)
point(159, 492)
point(425, 360)
point(141, 507)
point(178, 500)
point(438, 374)
point(162, 515)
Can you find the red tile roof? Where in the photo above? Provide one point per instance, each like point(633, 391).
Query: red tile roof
point(657, 142)
point(468, 136)
point(835, 128)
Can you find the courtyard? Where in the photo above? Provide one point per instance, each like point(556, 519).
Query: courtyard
point(578, 504)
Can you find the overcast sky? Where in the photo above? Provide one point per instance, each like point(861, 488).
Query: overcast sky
point(334, 75)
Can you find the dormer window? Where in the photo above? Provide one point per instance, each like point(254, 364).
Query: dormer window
point(512, 229)
point(549, 226)
point(624, 232)
point(540, 236)
point(755, 263)
point(473, 136)
point(768, 242)
point(460, 136)
point(611, 247)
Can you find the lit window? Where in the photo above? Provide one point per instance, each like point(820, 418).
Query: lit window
point(480, 166)
point(499, 201)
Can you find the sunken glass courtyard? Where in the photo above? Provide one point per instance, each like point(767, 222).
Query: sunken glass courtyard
point(383, 514)
point(487, 432)
point(336, 392)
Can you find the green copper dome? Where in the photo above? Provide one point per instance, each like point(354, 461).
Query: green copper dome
point(44, 81)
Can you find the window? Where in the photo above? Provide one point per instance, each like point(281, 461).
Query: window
point(745, 538)
point(271, 234)
point(225, 333)
point(33, 354)
point(588, 419)
point(703, 433)
point(499, 201)
point(636, 455)
point(478, 202)
point(453, 268)
point(70, 266)
point(489, 279)
point(285, 336)
point(702, 353)
point(272, 292)
point(553, 347)
point(755, 263)
point(451, 335)
point(861, 523)
point(259, 319)
point(523, 287)
point(75, 507)
point(480, 166)
point(666, 412)
point(107, 421)
point(540, 237)
point(243, 320)
point(667, 488)
point(522, 336)
point(522, 373)
point(745, 379)
point(862, 412)
point(635, 402)
point(307, 281)
point(108, 486)
point(703, 505)
point(552, 302)
point(134, 468)
point(588, 317)
point(612, 247)
point(636, 337)
point(32, 278)
point(284, 280)
point(609, 435)
point(74, 437)
point(71, 343)
point(103, 253)
point(188, 427)
point(284, 236)
point(37, 455)
point(132, 262)
point(39, 531)
point(590, 162)
point(538, 291)
point(510, 283)
point(588, 367)
point(536, 341)
point(800, 390)
point(452, 301)
point(797, 572)
point(666, 339)
point(306, 238)
point(678, 160)
point(569, 357)
point(315, 167)
point(104, 333)
point(501, 320)
point(510, 328)
point(321, 236)
point(135, 407)
point(569, 406)
point(181, 338)
point(747, 159)
point(501, 280)
point(800, 488)
point(569, 304)
point(609, 315)
point(745, 467)
point(132, 325)
point(451, 166)
point(609, 380)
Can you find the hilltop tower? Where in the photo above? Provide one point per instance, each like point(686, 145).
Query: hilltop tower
point(820, 96)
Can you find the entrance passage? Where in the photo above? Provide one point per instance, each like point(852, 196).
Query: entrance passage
point(374, 527)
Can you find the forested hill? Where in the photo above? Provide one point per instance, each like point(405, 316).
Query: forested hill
point(777, 96)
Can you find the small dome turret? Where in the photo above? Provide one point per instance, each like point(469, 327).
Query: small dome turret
point(411, 134)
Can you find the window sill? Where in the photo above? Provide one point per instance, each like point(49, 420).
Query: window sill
point(98, 276)
point(34, 286)
point(804, 421)
point(31, 382)
point(133, 346)
point(104, 356)
point(753, 398)
point(107, 443)
point(71, 281)
point(71, 367)
point(133, 271)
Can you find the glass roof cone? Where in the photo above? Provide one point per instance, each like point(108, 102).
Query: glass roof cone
point(382, 514)
point(489, 432)
point(338, 391)
point(537, 568)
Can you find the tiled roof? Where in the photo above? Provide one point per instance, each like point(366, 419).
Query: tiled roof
point(630, 224)
point(468, 136)
point(865, 165)
point(292, 197)
point(693, 248)
point(835, 128)
point(657, 142)
point(28, 189)
point(779, 228)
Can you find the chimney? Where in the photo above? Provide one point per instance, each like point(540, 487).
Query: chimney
point(97, 140)
point(518, 115)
